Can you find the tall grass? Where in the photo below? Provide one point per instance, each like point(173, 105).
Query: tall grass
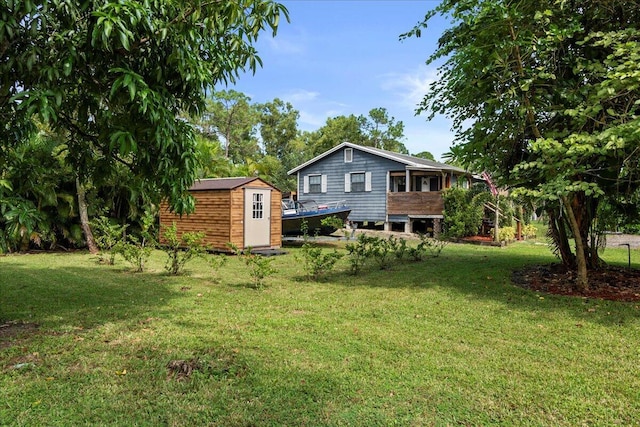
point(445, 341)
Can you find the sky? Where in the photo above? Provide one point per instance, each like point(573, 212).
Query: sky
point(343, 57)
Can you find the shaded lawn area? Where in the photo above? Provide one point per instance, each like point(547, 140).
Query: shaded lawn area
point(445, 341)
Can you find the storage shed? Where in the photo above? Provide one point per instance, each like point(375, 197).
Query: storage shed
point(244, 211)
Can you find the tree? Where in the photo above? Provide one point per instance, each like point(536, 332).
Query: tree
point(383, 131)
point(232, 118)
point(36, 195)
point(424, 155)
point(544, 96)
point(278, 126)
point(336, 131)
point(114, 76)
point(279, 131)
point(376, 130)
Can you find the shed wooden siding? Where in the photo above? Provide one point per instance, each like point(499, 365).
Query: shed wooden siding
point(220, 215)
point(276, 219)
point(365, 206)
point(415, 203)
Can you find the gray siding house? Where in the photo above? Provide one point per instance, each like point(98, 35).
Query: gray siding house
point(384, 189)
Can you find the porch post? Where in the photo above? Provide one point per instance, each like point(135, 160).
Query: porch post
point(437, 227)
point(387, 225)
point(407, 185)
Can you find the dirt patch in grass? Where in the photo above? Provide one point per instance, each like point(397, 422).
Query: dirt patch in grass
point(610, 283)
point(10, 331)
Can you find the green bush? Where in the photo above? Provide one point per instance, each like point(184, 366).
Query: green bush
point(137, 249)
point(506, 234)
point(381, 251)
point(109, 237)
point(529, 231)
point(216, 262)
point(463, 212)
point(427, 246)
point(358, 252)
point(181, 250)
point(316, 262)
point(259, 266)
point(399, 247)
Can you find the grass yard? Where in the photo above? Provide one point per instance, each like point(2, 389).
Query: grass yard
point(446, 341)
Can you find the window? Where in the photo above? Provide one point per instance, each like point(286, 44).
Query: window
point(258, 208)
point(357, 182)
point(315, 183)
point(434, 183)
point(398, 184)
point(348, 155)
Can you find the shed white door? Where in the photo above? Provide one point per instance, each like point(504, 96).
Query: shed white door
point(257, 217)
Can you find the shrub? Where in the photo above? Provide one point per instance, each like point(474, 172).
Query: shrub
point(332, 222)
point(381, 251)
point(181, 250)
point(427, 246)
point(506, 234)
point(358, 252)
point(259, 266)
point(398, 247)
point(316, 262)
point(109, 236)
point(463, 212)
point(137, 249)
point(529, 231)
point(216, 262)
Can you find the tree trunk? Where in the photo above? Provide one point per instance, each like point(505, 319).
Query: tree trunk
point(84, 218)
point(558, 233)
point(581, 260)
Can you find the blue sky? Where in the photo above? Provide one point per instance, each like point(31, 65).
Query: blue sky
point(342, 57)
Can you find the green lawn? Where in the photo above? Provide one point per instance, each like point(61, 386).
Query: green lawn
point(447, 341)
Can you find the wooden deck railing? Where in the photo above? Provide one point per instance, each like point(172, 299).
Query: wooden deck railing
point(415, 203)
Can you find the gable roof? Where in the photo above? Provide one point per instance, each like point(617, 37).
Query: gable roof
point(409, 161)
point(222, 183)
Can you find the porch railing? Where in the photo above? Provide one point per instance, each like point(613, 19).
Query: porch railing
point(415, 203)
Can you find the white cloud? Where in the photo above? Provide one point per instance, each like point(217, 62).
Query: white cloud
point(409, 88)
point(300, 96)
point(314, 110)
point(311, 121)
point(435, 138)
point(286, 45)
point(315, 116)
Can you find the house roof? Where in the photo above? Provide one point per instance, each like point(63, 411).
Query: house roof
point(409, 161)
point(221, 183)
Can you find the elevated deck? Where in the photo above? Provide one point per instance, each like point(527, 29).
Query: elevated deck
point(415, 203)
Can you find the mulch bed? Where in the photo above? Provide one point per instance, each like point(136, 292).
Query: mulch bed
point(610, 283)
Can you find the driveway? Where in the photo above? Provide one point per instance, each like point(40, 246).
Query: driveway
point(615, 240)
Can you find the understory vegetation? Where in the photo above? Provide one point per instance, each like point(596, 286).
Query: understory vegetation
point(442, 341)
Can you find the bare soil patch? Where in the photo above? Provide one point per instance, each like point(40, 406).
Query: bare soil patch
point(10, 331)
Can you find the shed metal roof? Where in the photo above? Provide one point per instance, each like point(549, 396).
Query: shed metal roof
point(222, 183)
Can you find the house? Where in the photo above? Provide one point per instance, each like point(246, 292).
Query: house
point(243, 211)
point(396, 191)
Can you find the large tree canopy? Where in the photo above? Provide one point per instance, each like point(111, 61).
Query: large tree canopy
point(375, 130)
point(114, 76)
point(545, 95)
